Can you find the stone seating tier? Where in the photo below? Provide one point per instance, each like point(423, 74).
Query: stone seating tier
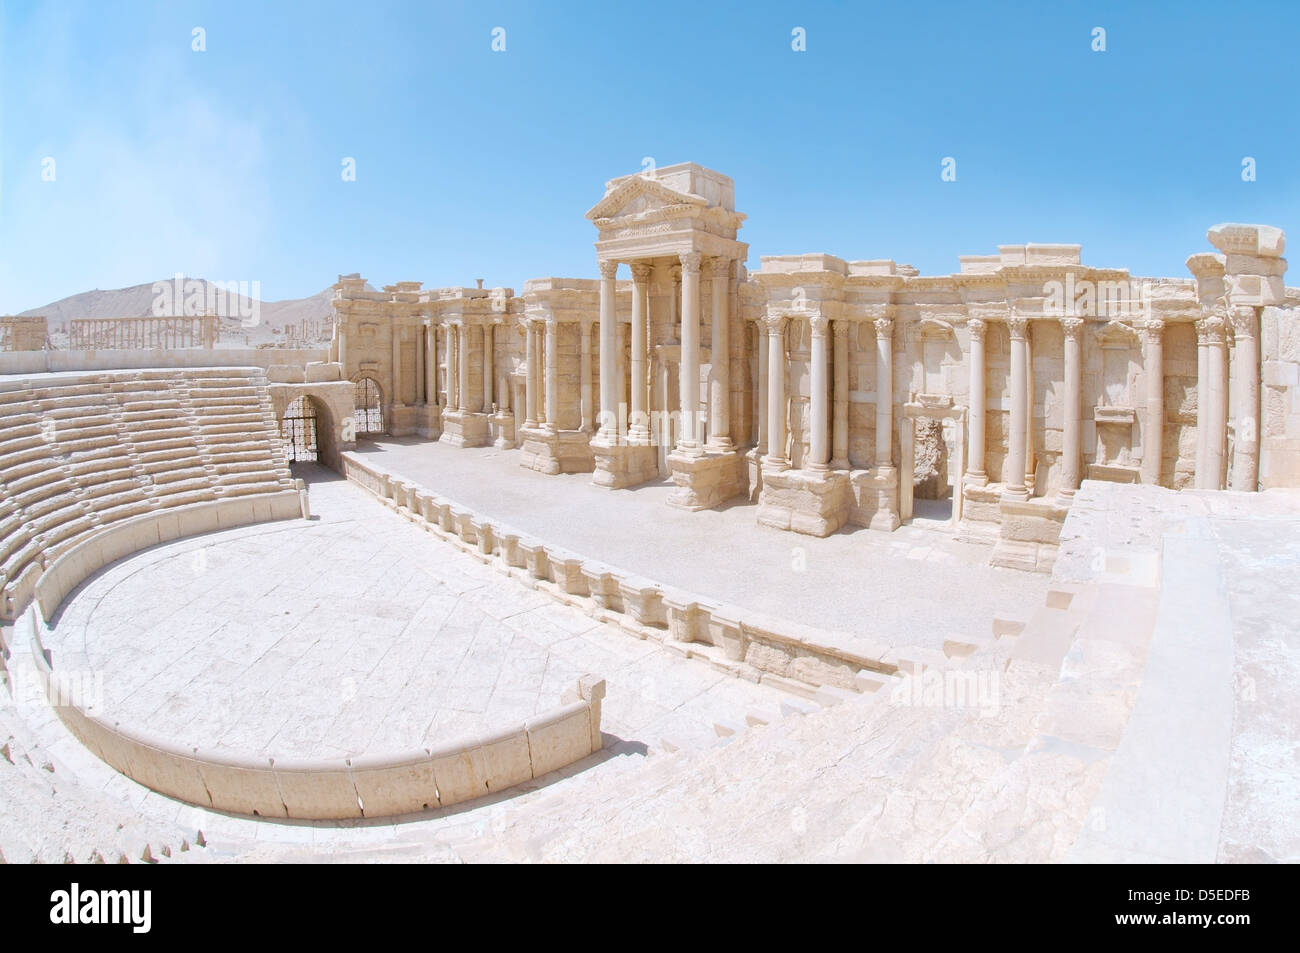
point(84, 451)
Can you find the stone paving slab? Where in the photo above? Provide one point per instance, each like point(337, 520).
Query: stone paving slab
point(359, 632)
point(916, 586)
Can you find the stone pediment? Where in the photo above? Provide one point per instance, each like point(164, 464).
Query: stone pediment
point(640, 196)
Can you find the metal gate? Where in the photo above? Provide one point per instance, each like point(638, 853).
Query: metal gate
point(369, 407)
point(298, 428)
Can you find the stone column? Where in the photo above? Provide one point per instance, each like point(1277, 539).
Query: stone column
point(1071, 440)
point(608, 343)
point(1245, 369)
point(840, 444)
point(639, 421)
point(817, 450)
point(978, 402)
point(689, 382)
point(462, 367)
point(720, 376)
point(884, 391)
point(1030, 457)
point(1015, 465)
point(585, 376)
point(1153, 436)
point(396, 396)
point(420, 377)
point(761, 415)
point(1213, 404)
point(1202, 386)
point(552, 376)
point(489, 368)
point(430, 363)
point(530, 378)
point(775, 459)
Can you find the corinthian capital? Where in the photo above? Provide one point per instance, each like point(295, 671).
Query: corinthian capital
point(1019, 327)
point(1072, 327)
point(719, 267)
point(1211, 330)
point(820, 325)
point(1244, 320)
point(640, 272)
point(691, 262)
point(884, 327)
point(773, 323)
point(608, 269)
point(976, 326)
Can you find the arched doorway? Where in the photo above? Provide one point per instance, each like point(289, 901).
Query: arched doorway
point(368, 405)
point(298, 430)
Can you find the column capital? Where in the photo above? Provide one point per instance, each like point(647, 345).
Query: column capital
point(1019, 327)
point(691, 262)
point(820, 325)
point(977, 327)
point(1153, 328)
point(841, 330)
point(608, 268)
point(1244, 320)
point(884, 326)
point(1212, 330)
point(640, 272)
point(1072, 327)
point(773, 323)
point(719, 267)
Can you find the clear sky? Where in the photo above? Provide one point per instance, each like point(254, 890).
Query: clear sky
point(471, 163)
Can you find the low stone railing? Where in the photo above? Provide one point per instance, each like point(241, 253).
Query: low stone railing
point(365, 786)
point(750, 644)
point(378, 785)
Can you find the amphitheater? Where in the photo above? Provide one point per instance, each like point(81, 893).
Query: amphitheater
point(825, 561)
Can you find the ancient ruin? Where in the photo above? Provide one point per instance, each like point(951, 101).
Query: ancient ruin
point(877, 565)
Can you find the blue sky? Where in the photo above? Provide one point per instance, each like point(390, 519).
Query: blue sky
point(473, 163)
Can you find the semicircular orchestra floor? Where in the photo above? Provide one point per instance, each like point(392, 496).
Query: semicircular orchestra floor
point(359, 632)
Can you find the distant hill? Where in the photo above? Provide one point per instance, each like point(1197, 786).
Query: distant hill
point(281, 322)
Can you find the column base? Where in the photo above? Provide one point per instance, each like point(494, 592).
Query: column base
point(815, 503)
point(1030, 533)
point(464, 429)
point(556, 451)
point(429, 421)
point(501, 427)
point(617, 466)
point(981, 512)
point(706, 480)
point(874, 498)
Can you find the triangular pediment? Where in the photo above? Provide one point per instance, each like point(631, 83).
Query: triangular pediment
point(638, 195)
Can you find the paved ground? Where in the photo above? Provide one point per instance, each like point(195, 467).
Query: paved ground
point(359, 632)
point(915, 586)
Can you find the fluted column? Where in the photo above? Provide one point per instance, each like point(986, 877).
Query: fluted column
point(820, 423)
point(1153, 436)
point(689, 381)
point(1212, 401)
point(776, 458)
point(585, 376)
point(489, 368)
point(1245, 370)
point(396, 396)
point(978, 403)
point(530, 377)
point(462, 366)
point(884, 391)
point(608, 343)
point(1015, 465)
point(1071, 426)
point(639, 428)
point(430, 363)
point(720, 366)
point(840, 377)
point(761, 414)
point(552, 375)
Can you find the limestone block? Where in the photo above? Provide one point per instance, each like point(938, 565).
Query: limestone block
point(506, 759)
point(534, 553)
point(460, 770)
point(317, 789)
point(395, 784)
point(727, 631)
point(559, 737)
point(643, 601)
point(687, 620)
point(565, 570)
point(241, 785)
point(603, 585)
